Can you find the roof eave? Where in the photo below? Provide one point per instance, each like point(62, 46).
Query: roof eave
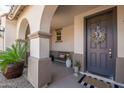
point(15, 11)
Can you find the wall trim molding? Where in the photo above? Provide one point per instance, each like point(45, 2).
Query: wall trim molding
point(39, 34)
point(40, 59)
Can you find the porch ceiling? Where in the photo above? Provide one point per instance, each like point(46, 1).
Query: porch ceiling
point(64, 15)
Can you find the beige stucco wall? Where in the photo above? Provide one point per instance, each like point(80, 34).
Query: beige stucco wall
point(1, 43)
point(67, 43)
point(3, 23)
point(33, 15)
point(10, 33)
point(120, 28)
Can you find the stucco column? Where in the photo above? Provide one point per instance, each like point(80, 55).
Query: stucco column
point(119, 73)
point(39, 62)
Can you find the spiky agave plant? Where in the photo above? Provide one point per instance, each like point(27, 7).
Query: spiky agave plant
point(16, 53)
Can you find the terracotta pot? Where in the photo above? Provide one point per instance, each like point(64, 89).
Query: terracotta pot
point(14, 70)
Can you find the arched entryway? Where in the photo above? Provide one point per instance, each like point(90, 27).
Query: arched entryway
point(24, 31)
point(46, 17)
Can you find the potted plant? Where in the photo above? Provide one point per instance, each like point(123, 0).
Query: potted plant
point(77, 66)
point(12, 60)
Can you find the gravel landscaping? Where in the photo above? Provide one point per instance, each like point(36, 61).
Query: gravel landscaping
point(20, 82)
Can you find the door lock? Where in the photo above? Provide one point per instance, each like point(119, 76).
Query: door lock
point(110, 53)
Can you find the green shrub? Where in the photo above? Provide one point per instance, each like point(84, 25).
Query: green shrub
point(16, 53)
point(77, 63)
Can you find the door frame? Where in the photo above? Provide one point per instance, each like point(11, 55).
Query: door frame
point(114, 11)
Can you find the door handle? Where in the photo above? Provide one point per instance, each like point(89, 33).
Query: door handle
point(110, 52)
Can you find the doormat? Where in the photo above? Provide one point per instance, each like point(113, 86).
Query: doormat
point(90, 82)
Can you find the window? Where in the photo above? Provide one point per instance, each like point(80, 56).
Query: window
point(58, 35)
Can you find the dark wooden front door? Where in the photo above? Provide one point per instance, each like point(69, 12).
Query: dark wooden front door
point(100, 44)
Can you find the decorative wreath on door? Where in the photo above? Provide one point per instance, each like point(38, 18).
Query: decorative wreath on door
point(98, 36)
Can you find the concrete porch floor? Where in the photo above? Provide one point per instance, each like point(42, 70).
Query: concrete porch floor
point(63, 77)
